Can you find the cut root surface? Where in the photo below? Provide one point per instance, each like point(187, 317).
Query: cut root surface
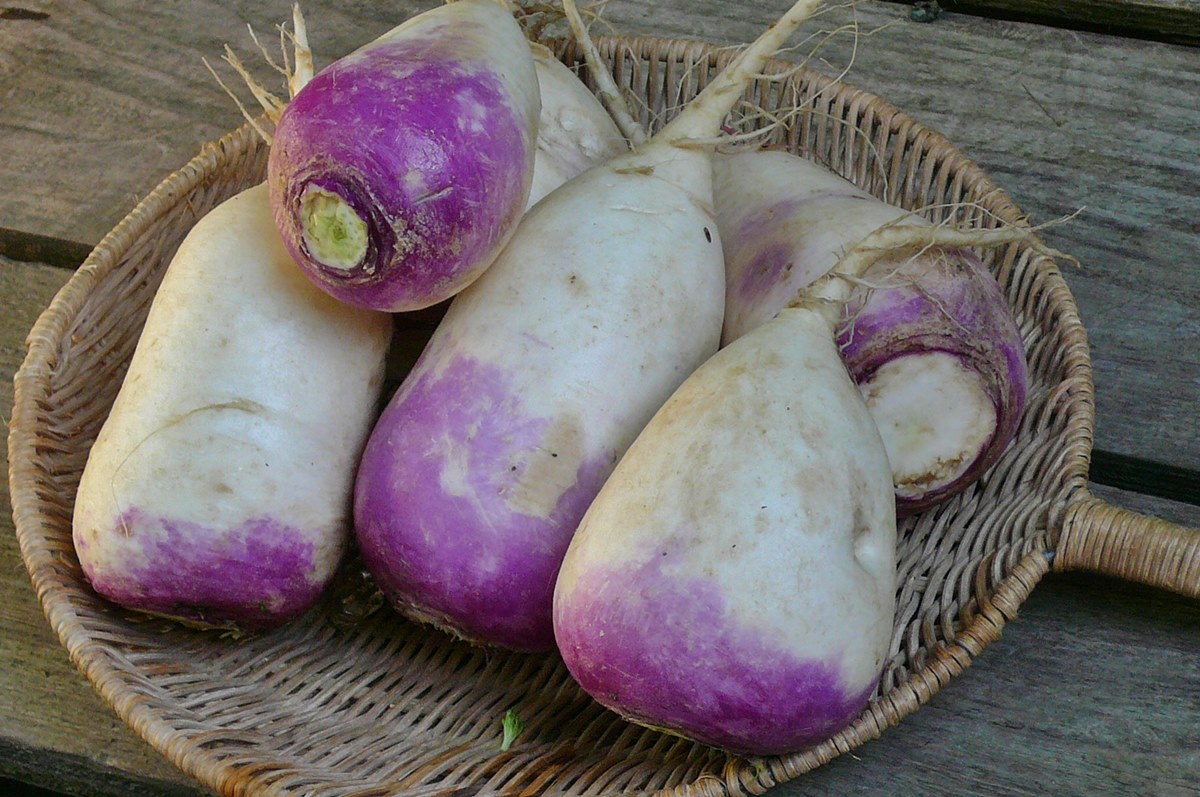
point(934, 417)
point(334, 233)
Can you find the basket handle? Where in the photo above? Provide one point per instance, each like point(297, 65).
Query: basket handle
point(1103, 538)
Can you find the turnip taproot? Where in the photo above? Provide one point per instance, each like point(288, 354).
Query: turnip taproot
point(218, 489)
point(398, 172)
point(928, 336)
point(542, 372)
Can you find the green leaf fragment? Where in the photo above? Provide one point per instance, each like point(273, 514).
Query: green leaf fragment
point(512, 729)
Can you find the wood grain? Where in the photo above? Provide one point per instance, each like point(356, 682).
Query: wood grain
point(1095, 688)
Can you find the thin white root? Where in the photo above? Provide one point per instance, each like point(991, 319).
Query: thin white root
point(245, 112)
point(297, 71)
point(303, 71)
point(270, 103)
point(610, 95)
point(284, 70)
point(833, 289)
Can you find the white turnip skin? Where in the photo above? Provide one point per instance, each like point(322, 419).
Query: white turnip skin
point(928, 337)
point(218, 489)
point(574, 130)
point(734, 580)
point(398, 173)
point(542, 372)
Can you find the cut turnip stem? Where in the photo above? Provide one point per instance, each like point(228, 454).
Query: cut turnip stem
point(573, 132)
point(927, 333)
point(542, 372)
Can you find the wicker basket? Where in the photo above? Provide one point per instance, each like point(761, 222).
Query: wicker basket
point(346, 703)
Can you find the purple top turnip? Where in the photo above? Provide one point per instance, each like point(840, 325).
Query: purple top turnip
point(734, 580)
point(398, 173)
point(217, 491)
point(927, 335)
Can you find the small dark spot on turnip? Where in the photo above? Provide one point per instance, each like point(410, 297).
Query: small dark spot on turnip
point(707, 235)
point(514, 467)
point(553, 454)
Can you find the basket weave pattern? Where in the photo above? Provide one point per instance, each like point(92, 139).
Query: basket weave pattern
point(347, 702)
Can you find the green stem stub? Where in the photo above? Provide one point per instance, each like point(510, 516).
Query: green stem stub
point(512, 729)
point(334, 232)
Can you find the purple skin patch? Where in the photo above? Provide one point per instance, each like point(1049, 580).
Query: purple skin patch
point(765, 272)
point(773, 267)
point(959, 309)
point(427, 148)
point(432, 506)
point(659, 650)
point(255, 576)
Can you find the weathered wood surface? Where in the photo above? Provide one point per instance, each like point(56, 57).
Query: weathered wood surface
point(103, 98)
point(1094, 689)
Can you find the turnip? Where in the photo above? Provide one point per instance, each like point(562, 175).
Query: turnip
point(218, 489)
point(542, 372)
point(573, 129)
point(398, 173)
point(734, 580)
point(928, 338)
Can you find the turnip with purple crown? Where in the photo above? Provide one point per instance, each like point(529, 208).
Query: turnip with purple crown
point(398, 173)
point(927, 335)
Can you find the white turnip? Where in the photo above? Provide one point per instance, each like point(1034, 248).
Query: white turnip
point(574, 130)
point(218, 489)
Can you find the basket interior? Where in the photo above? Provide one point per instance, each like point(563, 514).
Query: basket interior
point(355, 701)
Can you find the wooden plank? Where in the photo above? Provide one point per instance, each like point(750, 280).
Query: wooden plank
point(1095, 688)
point(1161, 20)
point(110, 94)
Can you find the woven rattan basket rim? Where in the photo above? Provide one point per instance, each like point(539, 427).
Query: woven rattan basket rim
point(95, 661)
